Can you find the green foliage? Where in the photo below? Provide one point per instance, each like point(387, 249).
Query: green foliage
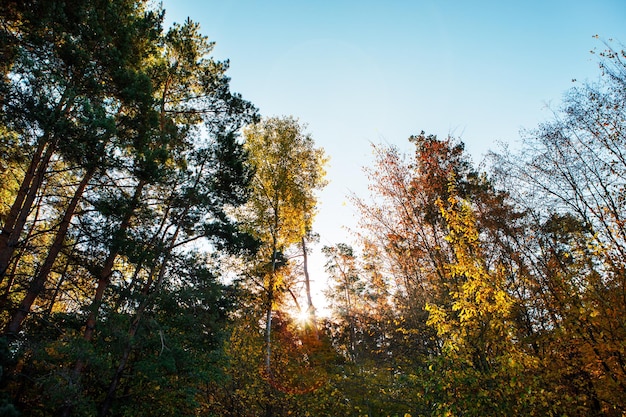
point(96, 93)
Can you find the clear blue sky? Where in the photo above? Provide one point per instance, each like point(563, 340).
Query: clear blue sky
point(361, 72)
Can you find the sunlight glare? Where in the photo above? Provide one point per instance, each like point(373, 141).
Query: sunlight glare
point(303, 316)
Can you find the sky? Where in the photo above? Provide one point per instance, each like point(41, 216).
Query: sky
point(368, 72)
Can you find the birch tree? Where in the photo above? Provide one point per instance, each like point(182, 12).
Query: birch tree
point(288, 169)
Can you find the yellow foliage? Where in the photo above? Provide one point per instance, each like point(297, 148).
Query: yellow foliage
point(288, 170)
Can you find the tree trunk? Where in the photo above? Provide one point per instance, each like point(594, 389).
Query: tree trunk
point(16, 219)
point(307, 283)
point(33, 178)
point(270, 300)
point(58, 286)
point(16, 260)
point(38, 283)
point(268, 331)
point(107, 269)
point(11, 219)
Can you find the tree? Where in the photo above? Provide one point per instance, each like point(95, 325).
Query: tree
point(62, 74)
point(480, 352)
point(444, 238)
point(570, 176)
point(150, 162)
point(345, 295)
point(288, 169)
point(405, 229)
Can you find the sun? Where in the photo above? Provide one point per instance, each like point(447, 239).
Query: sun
point(302, 316)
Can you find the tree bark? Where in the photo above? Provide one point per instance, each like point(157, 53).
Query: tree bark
point(104, 276)
point(16, 219)
point(16, 260)
point(38, 283)
point(270, 297)
point(33, 178)
point(307, 283)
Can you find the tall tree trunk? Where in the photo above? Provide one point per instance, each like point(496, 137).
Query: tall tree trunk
point(14, 212)
point(59, 285)
point(270, 298)
point(33, 178)
point(104, 276)
point(307, 283)
point(352, 334)
point(268, 328)
point(38, 283)
point(16, 219)
point(16, 261)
